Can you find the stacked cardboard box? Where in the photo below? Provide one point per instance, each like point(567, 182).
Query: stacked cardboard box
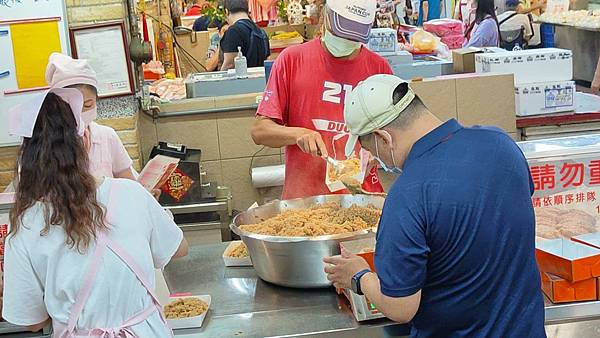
point(543, 78)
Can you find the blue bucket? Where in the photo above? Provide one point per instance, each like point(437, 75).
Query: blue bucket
point(268, 66)
point(547, 35)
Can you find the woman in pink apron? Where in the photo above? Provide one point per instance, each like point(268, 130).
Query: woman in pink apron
point(81, 252)
point(108, 157)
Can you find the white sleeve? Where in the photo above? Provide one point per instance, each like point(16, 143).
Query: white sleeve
point(23, 290)
point(165, 235)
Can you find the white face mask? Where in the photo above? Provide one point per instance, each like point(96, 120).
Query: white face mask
point(339, 47)
point(395, 169)
point(88, 116)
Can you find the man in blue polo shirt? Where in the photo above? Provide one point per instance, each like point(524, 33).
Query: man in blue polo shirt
point(455, 248)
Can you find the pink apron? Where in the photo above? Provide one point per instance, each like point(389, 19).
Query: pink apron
point(68, 330)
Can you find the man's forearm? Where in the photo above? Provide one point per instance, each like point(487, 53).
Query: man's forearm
point(400, 310)
point(268, 133)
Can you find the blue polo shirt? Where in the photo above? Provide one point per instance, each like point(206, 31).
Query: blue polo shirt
point(458, 224)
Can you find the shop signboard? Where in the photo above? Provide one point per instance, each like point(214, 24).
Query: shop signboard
point(566, 179)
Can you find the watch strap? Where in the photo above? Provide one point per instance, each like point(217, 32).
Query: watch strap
point(357, 278)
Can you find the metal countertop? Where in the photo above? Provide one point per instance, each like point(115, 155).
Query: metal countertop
point(245, 306)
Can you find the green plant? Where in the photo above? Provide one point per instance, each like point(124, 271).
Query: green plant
point(282, 10)
point(215, 11)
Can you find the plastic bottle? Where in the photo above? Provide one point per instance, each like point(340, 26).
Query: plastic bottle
point(241, 65)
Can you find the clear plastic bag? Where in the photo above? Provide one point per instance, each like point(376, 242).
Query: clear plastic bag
point(424, 42)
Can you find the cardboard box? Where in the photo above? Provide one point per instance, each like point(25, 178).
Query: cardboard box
point(459, 97)
point(438, 95)
point(529, 66)
point(486, 99)
point(559, 290)
point(195, 43)
point(545, 98)
point(463, 59)
point(567, 259)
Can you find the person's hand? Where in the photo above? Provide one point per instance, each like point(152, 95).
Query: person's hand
point(341, 269)
point(311, 142)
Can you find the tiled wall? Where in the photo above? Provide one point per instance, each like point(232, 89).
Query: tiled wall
point(226, 145)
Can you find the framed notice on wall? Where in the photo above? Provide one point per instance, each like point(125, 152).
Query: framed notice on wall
point(105, 47)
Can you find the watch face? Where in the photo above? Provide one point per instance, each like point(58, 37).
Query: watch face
point(354, 284)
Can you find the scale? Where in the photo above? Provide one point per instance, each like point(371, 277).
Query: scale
point(362, 308)
point(224, 83)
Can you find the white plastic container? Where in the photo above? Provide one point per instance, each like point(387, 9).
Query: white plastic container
point(545, 98)
point(191, 322)
point(235, 261)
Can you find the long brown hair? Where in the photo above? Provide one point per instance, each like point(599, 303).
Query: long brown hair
point(54, 170)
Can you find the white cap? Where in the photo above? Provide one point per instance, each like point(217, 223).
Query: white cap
point(63, 71)
point(370, 106)
point(22, 117)
point(351, 19)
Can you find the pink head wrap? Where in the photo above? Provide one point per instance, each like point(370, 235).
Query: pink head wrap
point(63, 71)
point(22, 118)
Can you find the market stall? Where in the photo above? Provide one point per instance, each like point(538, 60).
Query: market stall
point(579, 31)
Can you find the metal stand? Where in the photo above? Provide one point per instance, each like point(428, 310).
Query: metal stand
point(223, 208)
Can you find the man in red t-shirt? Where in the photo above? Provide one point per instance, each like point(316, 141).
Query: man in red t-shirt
point(303, 104)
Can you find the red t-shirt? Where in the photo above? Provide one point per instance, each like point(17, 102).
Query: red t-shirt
point(306, 89)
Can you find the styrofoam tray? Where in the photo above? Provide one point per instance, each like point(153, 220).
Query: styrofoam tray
point(191, 322)
point(231, 261)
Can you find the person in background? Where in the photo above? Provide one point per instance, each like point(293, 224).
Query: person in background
point(108, 156)
point(511, 19)
point(214, 57)
point(196, 8)
point(176, 12)
point(403, 9)
point(445, 261)
point(484, 30)
point(465, 12)
point(243, 33)
point(203, 23)
point(302, 106)
point(72, 235)
point(534, 7)
point(429, 10)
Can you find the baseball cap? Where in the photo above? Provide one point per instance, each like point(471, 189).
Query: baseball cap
point(370, 106)
point(351, 19)
point(63, 71)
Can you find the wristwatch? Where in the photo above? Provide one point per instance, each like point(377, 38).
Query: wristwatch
point(356, 281)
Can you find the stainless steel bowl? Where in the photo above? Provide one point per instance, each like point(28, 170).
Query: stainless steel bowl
point(296, 261)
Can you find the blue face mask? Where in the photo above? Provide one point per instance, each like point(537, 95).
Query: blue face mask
point(394, 169)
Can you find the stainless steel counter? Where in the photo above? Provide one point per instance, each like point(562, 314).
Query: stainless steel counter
point(245, 306)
